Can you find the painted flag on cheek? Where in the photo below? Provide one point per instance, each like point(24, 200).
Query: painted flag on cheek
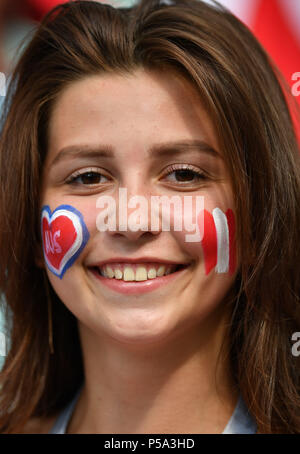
point(218, 242)
point(64, 236)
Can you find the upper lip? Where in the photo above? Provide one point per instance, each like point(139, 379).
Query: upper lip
point(139, 260)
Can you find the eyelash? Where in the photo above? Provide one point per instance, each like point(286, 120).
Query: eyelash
point(177, 167)
point(78, 174)
point(172, 168)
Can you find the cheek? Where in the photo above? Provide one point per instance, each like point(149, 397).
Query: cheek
point(64, 236)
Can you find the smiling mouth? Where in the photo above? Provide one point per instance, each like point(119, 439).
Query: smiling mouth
point(137, 272)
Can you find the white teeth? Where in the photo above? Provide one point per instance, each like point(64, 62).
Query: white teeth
point(118, 274)
point(160, 271)
point(152, 273)
point(135, 272)
point(141, 274)
point(128, 274)
point(110, 271)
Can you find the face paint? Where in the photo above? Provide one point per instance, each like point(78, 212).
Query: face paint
point(218, 242)
point(64, 236)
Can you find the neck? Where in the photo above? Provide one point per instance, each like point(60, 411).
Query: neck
point(179, 385)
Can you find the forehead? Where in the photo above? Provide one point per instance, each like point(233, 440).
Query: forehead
point(131, 110)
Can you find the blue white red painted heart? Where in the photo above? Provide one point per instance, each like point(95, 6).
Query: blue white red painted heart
point(64, 236)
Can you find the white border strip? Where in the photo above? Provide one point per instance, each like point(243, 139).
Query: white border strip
point(222, 230)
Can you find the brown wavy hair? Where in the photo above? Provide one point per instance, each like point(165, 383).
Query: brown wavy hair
point(242, 90)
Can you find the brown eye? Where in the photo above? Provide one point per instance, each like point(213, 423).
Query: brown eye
point(185, 175)
point(90, 178)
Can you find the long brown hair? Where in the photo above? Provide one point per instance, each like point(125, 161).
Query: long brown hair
point(240, 87)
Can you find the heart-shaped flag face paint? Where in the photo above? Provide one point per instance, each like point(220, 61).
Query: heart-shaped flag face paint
point(218, 242)
point(64, 235)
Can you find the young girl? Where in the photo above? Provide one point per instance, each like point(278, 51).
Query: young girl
point(138, 328)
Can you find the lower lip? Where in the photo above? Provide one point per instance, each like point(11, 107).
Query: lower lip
point(137, 288)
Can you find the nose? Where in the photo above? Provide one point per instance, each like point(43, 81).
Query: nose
point(131, 216)
point(143, 232)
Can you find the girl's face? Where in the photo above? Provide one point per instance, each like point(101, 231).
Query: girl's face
point(104, 134)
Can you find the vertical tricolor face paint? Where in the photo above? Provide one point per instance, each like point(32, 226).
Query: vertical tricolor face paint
point(64, 236)
point(218, 242)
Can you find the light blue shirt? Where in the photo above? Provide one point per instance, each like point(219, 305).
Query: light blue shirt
point(241, 422)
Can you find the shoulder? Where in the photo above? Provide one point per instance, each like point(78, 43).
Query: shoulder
point(39, 425)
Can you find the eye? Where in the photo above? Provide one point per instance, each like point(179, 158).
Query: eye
point(184, 174)
point(88, 178)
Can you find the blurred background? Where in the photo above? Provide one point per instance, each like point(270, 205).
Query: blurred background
point(276, 23)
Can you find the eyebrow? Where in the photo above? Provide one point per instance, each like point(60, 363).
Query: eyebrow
point(156, 150)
